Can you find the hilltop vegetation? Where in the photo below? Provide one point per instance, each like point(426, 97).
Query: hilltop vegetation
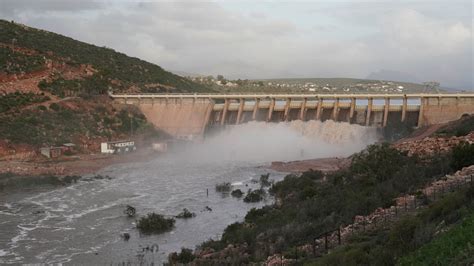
point(115, 70)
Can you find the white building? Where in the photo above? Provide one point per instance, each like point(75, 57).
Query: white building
point(160, 146)
point(120, 146)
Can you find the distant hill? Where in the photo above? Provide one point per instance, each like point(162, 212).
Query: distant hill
point(393, 75)
point(24, 49)
point(368, 85)
point(339, 82)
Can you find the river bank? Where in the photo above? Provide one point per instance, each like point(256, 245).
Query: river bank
point(324, 165)
point(75, 165)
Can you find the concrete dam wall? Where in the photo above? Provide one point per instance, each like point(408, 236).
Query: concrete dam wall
point(180, 119)
point(188, 115)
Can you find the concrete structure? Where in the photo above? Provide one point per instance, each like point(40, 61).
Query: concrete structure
point(190, 114)
point(160, 146)
point(51, 152)
point(121, 146)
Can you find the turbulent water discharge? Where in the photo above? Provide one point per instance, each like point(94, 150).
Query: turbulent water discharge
point(83, 223)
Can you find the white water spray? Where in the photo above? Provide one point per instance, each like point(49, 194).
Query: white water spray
point(295, 140)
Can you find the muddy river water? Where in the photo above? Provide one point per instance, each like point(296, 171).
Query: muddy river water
point(83, 223)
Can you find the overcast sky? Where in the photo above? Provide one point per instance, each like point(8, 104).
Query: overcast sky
point(421, 40)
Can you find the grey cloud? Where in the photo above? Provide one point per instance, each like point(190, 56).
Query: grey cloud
point(209, 38)
point(22, 6)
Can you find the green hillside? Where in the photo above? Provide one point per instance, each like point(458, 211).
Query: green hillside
point(111, 65)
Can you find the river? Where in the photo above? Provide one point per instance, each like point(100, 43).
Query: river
point(83, 223)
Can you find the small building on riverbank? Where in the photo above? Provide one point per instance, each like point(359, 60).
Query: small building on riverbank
point(51, 152)
point(114, 147)
point(160, 146)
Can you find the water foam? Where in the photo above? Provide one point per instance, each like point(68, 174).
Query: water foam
point(264, 142)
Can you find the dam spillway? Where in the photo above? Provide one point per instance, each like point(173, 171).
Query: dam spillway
point(181, 115)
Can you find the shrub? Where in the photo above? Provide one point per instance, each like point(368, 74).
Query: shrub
point(223, 187)
point(130, 211)
point(155, 223)
point(185, 214)
point(237, 193)
point(185, 256)
point(254, 195)
point(54, 107)
point(463, 155)
point(264, 180)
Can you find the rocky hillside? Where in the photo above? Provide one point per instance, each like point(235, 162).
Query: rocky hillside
point(53, 90)
point(440, 141)
point(77, 67)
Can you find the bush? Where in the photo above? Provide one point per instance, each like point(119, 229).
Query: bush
point(237, 193)
point(254, 195)
point(185, 214)
point(185, 256)
point(223, 187)
point(463, 155)
point(54, 107)
point(155, 223)
point(130, 211)
point(264, 180)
